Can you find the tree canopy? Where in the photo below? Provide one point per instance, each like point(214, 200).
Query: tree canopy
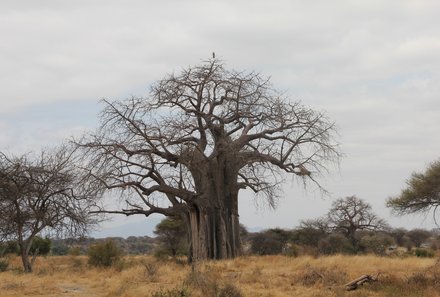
point(422, 193)
point(172, 234)
point(198, 139)
point(42, 193)
point(351, 214)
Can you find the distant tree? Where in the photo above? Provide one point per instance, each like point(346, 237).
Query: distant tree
point(400, 236)
point(418, 236)
point(350, 215)
point(42, 193)
point(138, 245)
point(422, 193)
point(310, 232)
point(8, 247)
point(59, 248)
point(172, 234)
point(201, 137)
point(40, 246)
point(270, 242)
point(376, 242)
point(335, 243)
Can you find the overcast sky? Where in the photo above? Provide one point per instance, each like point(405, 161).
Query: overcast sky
point(372, 66)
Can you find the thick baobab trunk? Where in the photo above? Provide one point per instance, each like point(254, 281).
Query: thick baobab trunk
point(213, 219)
point(212, 216)
point(214, 233)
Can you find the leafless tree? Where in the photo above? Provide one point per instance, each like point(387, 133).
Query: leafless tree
point(199, 138)
point(351, 214)
point(43, 193)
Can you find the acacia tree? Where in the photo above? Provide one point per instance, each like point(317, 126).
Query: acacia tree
point(44, 193)
point(350, 215)
point(422, 193)
point(198, 139)
point(171, 233)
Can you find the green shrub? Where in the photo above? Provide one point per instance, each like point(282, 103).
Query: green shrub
point(161, 253)
point(104, 254)
point(177, 292)
point(335, 244)
point(172, 235)
point(270, 242)
point(424, 253)
point(4, 263)
point(292, 250)
point(376, 243)
point(10, 247)
point(40, 246)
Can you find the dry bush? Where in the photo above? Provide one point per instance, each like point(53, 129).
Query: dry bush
point(311, 276)
point(207, 282)
point(275, 276)
point(12, 286)
point(176, 292)
point(104, 254)
point(229, 290)
point(426, 277)
point(151, 271)
point(77, 264)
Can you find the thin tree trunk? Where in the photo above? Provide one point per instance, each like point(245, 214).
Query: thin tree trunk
point(27, 265)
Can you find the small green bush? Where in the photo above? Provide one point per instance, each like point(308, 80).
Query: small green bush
point(4, 263)
point(10, 247)
point(335, 244)
point(424, 253)
point(376, 243)
point(292, 250)
point(40, 246)
point(104, 254)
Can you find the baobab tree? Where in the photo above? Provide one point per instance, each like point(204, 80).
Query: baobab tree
point(198, 139)
point(350, 215)
point(43, 193)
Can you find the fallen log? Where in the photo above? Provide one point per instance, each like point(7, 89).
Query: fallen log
point(354, 284)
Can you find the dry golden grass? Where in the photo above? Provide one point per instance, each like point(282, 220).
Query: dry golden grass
point(271, 276)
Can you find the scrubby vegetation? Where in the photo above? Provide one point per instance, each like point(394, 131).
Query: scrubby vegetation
point(104, 254)
point(276, 276)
